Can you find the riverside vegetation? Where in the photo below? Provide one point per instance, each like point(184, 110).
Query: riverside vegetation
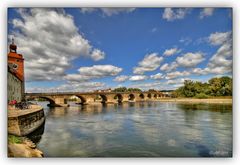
point(215, 87)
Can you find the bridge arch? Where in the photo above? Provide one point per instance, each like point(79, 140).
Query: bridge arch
point(49, 99)
point(131, 97)
point(141, 96)
point(83, 99)
point(155, 96)
point(149, 95)
point(119, 98)
point(104, 98)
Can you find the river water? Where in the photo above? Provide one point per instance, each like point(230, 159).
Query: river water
point(143, 129)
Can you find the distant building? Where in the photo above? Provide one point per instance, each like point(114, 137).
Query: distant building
point(15, 74)
point(104, 90)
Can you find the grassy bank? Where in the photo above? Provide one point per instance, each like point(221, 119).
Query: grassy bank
point(22, 147)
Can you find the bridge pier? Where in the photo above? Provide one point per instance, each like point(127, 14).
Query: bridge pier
point(59, 102)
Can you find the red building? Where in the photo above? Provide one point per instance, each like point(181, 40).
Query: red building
point(16, 64)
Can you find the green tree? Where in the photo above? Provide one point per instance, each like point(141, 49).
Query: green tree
point(215, 87)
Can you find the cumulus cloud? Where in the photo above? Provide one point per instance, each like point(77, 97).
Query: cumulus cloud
point(206, 12)
point(171, 51)
point(176, 74)
point(95, 71)
point(157, 76)
point(121, 78)
point(221, 61)
point(169, 67)
point(150, 63)
point(108, 11)
point(173, 14)
point(49, 41)
point(190, 59)
point(219, 38)
point(179, 81)
point(146, 86)
point(70, 87)
point(97, 55)
point(138, 78)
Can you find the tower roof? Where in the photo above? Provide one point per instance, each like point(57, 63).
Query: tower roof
point(13, 47)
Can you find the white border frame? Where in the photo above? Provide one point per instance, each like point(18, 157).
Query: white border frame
point(120, 3)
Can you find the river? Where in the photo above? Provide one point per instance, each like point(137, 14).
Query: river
point(143, 129)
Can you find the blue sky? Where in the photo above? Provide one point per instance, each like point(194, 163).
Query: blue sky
point(84, 49)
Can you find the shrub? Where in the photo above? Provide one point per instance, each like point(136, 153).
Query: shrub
point(14, 139)
point(201, 96)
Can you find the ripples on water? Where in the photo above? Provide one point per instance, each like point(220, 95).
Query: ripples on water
point(144, 129)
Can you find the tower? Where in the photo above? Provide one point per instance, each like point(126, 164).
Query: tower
point(16, 63)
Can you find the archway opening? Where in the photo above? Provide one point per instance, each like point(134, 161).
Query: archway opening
point(72, 100)
point(104, 98)
point(155, 96)
point(119, 98)
point(149, 96)
point(44, 100)
point(131, 97)
point(82, 99)
point(141, 96)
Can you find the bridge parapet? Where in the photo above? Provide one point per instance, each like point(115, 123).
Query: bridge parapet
point(60, 99)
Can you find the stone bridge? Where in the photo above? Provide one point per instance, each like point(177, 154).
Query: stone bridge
point(60, 99)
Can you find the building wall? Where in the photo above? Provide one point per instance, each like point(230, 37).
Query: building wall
point(15, 91)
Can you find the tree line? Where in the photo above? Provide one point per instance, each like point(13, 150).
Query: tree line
point(214, 87)
point(124, 89)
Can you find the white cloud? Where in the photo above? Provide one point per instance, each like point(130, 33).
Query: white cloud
point(49, 40)
point(87, 10)
point(146, 86)
point(200, 71)
point(150, 63)
point(169, 67)
point(108, 11)
point(121, 78)
point(206, 12)
point(70, 87)
point(154, 29)
point(179, 81)
point(171, 51)
point(185, 40)
point(97, 55)
point(95, 71)
point(221, 61)
point(219, 38)
point(138, 78)
point(157, 76)
point(190, 59)
point(173, 14)
point(176, 74)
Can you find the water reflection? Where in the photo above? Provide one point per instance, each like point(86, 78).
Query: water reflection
point(138, 129)
point(36, 135)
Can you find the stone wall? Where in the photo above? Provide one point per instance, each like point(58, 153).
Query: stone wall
point(15, 91)
point(23, 122)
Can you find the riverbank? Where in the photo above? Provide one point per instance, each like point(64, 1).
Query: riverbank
point(22, 147)
point(23, 122)
point(196, 100)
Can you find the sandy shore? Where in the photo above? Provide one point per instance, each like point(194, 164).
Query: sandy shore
point(195, 100)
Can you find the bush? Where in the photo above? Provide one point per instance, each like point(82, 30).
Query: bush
point(201, 96)
point(14, 139)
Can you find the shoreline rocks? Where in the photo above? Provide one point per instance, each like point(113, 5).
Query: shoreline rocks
point(25, 149)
